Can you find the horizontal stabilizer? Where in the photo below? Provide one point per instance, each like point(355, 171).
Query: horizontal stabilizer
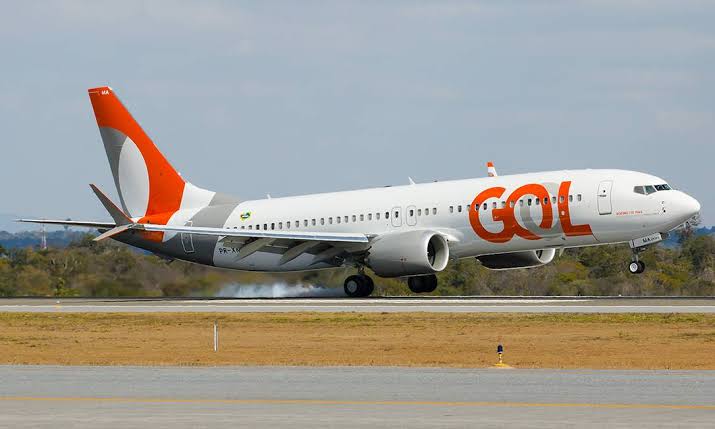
point(112, 232)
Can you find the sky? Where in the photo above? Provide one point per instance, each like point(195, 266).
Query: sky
point(289, 98)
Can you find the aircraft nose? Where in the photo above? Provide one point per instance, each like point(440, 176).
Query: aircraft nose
point(687, 206)
point(692, 205)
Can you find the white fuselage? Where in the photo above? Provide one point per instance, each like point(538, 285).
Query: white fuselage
point(597, 207)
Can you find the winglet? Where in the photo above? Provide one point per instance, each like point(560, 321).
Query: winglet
point(491, 171)
point(117, 214)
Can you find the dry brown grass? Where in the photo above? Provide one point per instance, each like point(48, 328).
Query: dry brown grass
point(411, 339)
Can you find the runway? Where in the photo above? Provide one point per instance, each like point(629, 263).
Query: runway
point(370, 305)
point(49, 396)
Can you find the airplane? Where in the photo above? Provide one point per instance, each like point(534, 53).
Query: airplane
point(411, 231)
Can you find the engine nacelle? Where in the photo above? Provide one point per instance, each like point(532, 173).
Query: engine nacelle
point(408, 254)
point(527, 259)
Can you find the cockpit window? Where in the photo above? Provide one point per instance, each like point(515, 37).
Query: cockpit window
point(650, 189)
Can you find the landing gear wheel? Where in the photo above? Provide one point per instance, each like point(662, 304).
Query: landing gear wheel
point(633, 267)
point(422, 284)
point(636, 267)
point(357, 286)
point(369, 285)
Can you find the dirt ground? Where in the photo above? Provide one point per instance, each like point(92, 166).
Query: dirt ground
point(646, 341)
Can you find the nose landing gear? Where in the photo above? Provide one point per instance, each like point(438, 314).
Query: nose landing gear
point(636, 267)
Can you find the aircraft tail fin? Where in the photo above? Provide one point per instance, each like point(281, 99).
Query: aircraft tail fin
point(149, 187)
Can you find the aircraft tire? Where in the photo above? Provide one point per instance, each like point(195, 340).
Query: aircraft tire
point(354, 286)
point(422, 284)
point(634, 267)
point(369, 285)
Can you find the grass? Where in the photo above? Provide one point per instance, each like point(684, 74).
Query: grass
point(643, 341)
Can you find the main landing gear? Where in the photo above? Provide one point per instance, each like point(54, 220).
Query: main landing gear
point(422, 284)
point(358, 286)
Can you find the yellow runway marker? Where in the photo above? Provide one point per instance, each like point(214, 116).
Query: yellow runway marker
point(346, 402)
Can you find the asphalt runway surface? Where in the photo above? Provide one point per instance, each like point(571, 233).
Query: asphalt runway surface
point(55, 396)
point(374, 305)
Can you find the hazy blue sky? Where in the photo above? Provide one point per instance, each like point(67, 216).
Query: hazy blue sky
point(286, 98)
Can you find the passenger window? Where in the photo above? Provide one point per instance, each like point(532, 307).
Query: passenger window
point(362, 218)
point(553, 200)
point(434, 211)
point(250, 227)
point(322, 221)
point(528, 202)
point(273, 226)
point(578, 197)
point(570, 198)
point(511, 204)
point(387, 215)
point(494, 205)
point(346, 219)
point(338, 219)
point(377, 216)
point(561, 198)
point(546, 201)
point(459, 209)
point(265, 227)
point(419, 212)
point(355, 218)
point(503, 204)
point(412, 213)
point(369, 216)
point(451, 209)
point(312, 221)
point(397, 214)
point(426, 212)
point(537, 201)
point(521, 203)
point(330, 220)
point(485, 206)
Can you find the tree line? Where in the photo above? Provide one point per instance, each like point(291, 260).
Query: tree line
point(110, 269)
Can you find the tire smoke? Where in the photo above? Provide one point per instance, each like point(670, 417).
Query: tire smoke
point(278, 290)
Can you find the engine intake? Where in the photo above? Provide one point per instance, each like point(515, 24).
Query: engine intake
point(529, 258)
point(408, 254)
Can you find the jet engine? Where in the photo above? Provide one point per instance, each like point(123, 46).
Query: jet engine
point(527, 259)
point(408, 254)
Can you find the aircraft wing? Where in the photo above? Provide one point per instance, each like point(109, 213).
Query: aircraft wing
point(242, 233)
point(81, 223)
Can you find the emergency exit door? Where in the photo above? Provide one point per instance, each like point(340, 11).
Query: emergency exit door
point(604, 197)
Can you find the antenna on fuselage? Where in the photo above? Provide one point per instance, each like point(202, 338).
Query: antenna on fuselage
point(491, 171)
point(412, 182)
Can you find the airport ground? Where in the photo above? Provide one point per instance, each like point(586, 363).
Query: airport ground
point(177, 397)
point(400, 362)
point(531, 340)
